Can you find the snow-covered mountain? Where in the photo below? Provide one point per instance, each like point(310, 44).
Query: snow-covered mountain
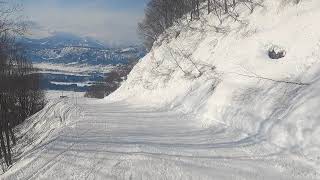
point(66, 48)
point(62, 39)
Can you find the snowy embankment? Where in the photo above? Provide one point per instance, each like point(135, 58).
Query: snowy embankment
point(44, 126)
point(223, 75)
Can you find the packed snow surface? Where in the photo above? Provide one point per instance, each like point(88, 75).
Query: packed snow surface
point(124, 141)
point(206, 103)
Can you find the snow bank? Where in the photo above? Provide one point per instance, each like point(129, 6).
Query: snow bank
point(44, 126)
point(222, 73)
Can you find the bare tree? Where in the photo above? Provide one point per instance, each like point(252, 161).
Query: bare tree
point(20, 95)
point(161, 14)
point(225, 6)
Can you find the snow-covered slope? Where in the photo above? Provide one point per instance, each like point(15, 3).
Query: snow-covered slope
point(44, 126)
point(206, 103)
point(222, 74)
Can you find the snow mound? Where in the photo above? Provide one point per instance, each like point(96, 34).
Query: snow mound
point(222, 73)
point(44, 126)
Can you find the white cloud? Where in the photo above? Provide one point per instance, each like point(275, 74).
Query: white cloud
point(103, 24)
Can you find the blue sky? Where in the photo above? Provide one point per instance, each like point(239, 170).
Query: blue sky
point(111, 21)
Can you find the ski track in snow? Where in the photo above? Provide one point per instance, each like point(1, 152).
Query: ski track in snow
point(241, 119)
point(122, 141)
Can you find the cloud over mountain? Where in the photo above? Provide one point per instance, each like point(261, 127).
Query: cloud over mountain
point(109, 21)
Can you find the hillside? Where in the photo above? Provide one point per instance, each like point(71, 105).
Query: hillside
point(207, 102)
point(223, 75)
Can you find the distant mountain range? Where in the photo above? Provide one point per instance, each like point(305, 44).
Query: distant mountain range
point(69, 62)
point(66, 48)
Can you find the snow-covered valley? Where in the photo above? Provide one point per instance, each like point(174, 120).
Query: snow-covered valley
point(207, 102)
point(66, 61)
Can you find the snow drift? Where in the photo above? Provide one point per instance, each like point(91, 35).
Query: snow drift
point(222, 73)
point(44, 126)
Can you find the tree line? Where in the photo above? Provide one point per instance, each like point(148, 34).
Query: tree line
point(161, 14)
point(20, 95)
point(112, 81)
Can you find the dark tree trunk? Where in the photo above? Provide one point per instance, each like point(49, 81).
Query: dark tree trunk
point(198, 10)
point(8, 146)
point(225, 6)
point(3, 147)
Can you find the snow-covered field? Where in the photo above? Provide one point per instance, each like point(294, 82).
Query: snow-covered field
point(52, 95)
point(73, 69)
point(228, 111)
point(79, 84)
point(71, 76)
